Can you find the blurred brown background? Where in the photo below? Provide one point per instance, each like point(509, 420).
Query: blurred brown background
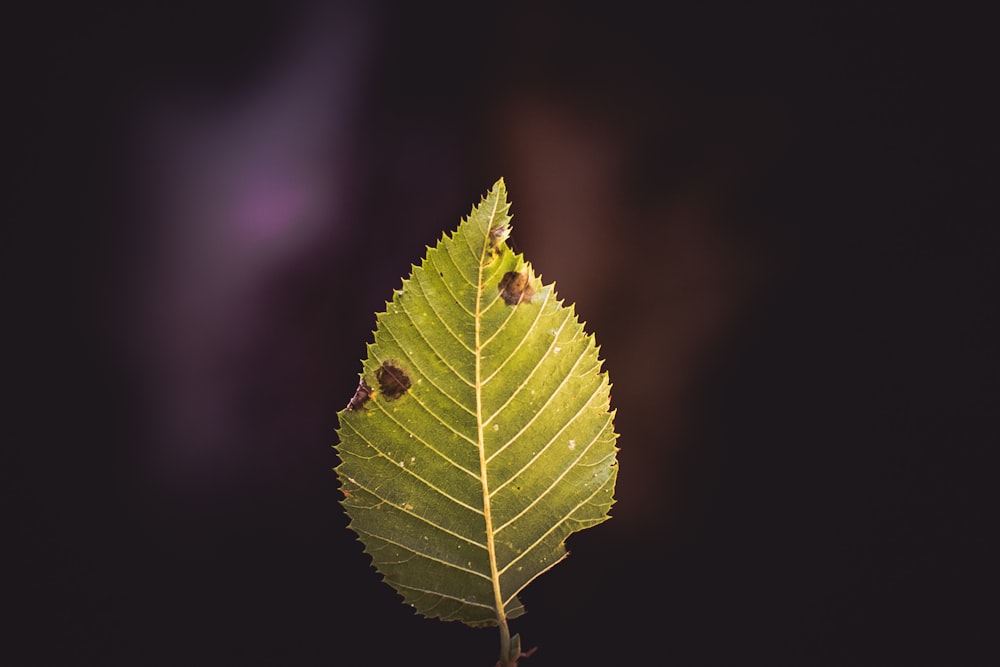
point(774, 218)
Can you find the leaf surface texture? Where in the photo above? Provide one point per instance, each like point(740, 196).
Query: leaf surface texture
point(481, 434)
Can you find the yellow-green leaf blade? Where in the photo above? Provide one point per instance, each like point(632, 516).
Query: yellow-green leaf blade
point(481, 435)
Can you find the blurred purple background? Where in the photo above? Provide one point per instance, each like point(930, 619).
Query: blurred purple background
point(773, 218)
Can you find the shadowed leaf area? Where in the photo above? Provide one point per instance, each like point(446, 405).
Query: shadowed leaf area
point(480, 436)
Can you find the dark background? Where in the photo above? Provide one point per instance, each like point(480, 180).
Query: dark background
point(779, 222)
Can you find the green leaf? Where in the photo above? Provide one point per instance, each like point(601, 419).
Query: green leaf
point(481, 435)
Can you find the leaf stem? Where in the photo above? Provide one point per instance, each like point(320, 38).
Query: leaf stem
point(505, 645)
point(510, 648)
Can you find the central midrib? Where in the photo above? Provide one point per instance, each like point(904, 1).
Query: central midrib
point(487, 515)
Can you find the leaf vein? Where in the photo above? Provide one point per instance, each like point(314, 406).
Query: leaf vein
point(409, 472)
point(551, 530)
point(524, 384)
point(447, 252)
point(420, 554)
point(555, 482)
point(440, 319)
point(446, 596)
point(424, 373)
point(447, 286)
point(530, 330)
point(572, 419)
point(388, 414)
point(477, 257)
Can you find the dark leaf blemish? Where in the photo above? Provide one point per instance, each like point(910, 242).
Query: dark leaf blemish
point(392, 380)
point(361, 396)
point(515, 288)
point(498, 235)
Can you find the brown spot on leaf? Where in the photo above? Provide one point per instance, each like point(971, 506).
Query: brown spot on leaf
point(392, 380)
point(515, 288)
point(361, 396)
point(498, 235)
